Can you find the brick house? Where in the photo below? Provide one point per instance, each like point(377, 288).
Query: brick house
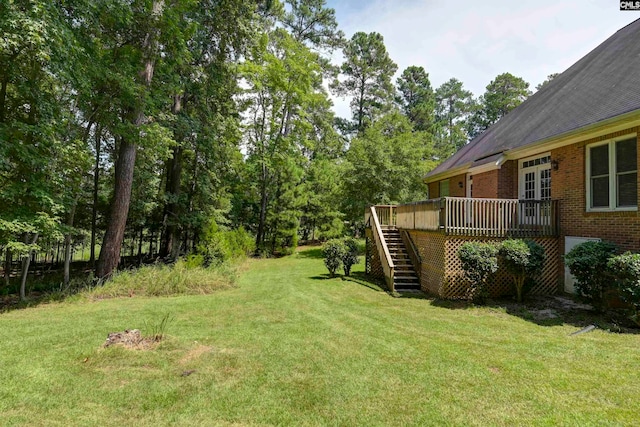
point(561, 168)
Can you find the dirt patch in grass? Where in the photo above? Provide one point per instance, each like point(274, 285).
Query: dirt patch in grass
point(195, 353)
point(131, 339)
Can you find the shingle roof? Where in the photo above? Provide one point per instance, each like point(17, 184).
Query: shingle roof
point(603, 84)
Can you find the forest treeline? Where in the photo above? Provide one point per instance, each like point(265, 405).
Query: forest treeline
point(136, 127)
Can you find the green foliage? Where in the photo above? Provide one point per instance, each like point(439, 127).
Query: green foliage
point(166, 280)
point(479, 261)
point(416, 98)
point(219, 245)
point(157, 330)
point(368, 70)
point(333, 252)
point(454, 105)
point(351, 250)
point(523, 259)
point(625, 269)
point(503, 94)
point(587, 262)
point(391, 159)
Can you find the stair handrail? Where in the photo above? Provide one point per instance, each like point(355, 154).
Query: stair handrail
point(383, 250)
point(414, 253)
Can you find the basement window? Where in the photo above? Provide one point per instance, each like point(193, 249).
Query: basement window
point(612, 175)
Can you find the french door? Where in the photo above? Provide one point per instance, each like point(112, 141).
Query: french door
point(534, 184)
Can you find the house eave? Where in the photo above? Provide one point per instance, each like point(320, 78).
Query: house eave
point(594, 130)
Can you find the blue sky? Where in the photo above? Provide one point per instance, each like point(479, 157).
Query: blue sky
point(475, 41)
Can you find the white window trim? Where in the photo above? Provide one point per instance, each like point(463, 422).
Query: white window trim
point(612, 182)
point(538, 168)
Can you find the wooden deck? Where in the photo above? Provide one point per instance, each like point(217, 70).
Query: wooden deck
point(459, 216)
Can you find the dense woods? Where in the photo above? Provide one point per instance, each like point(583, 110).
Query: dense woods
point(134, 130)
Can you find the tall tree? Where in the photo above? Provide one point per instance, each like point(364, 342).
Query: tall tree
point(148, 20)
point(503, 94)
point(384, 165)
point(367, 72)
point(282, 82)
point(416, 97)
point(453, 107)
point(312, 23)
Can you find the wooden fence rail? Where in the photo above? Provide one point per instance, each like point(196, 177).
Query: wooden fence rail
point(461, 216)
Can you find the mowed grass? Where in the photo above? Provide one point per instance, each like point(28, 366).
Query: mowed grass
point(290, 347)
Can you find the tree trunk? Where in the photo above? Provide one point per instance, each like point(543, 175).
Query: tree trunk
point(140, 245)
point(26, 261)
point(67, 242)
point(94, 209)
point(7, 267)
point(112, 242)
point(263, 209)
point(172, 189)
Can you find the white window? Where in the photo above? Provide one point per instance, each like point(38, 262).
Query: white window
point(612, 175)
point(444, 188)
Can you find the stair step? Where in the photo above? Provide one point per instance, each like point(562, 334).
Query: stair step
point(406, 286)
point(405, 278)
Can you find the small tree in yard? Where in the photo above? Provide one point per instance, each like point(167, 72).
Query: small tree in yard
point(333, 251)
point(350, 254)
point(522, 259)
point(479, 260)
point(588, 264)
point(626, 271)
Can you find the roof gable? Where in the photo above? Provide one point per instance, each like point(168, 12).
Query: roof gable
point(603, 84)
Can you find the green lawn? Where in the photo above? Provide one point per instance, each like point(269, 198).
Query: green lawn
point(290, 347)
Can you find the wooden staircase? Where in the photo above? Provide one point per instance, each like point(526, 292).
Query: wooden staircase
point(405, 277)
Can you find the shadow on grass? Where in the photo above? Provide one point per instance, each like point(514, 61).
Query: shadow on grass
point(358, 277)
point(363, 279)
point(312, 252)
point(552, 311)
point(12, 302)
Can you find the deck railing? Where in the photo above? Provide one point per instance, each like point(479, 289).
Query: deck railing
point(462, 216)
point(381, 245)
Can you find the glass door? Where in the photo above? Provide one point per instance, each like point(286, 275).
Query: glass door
point(535, 190)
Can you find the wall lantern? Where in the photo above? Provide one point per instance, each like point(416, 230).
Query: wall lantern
point(555, 164)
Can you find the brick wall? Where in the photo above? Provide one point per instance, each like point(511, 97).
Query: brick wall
point(434, 190)
point(485, 185)
point(508, 180)
point(455, 189)
point(568, 184)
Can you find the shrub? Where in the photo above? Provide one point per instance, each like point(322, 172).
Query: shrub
point(479, 260)
point(626, 271)
point(350, 254)
point(588, 264)
point(333, 251)
point(522, 259)
point(219, 245)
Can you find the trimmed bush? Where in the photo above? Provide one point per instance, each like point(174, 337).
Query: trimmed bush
point(479, 260)
point(350, 255)
point(332, 252)
point(522, 259)
point(588, 264)
point(626, 271)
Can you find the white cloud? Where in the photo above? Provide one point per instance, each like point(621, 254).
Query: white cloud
point(475, 41)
